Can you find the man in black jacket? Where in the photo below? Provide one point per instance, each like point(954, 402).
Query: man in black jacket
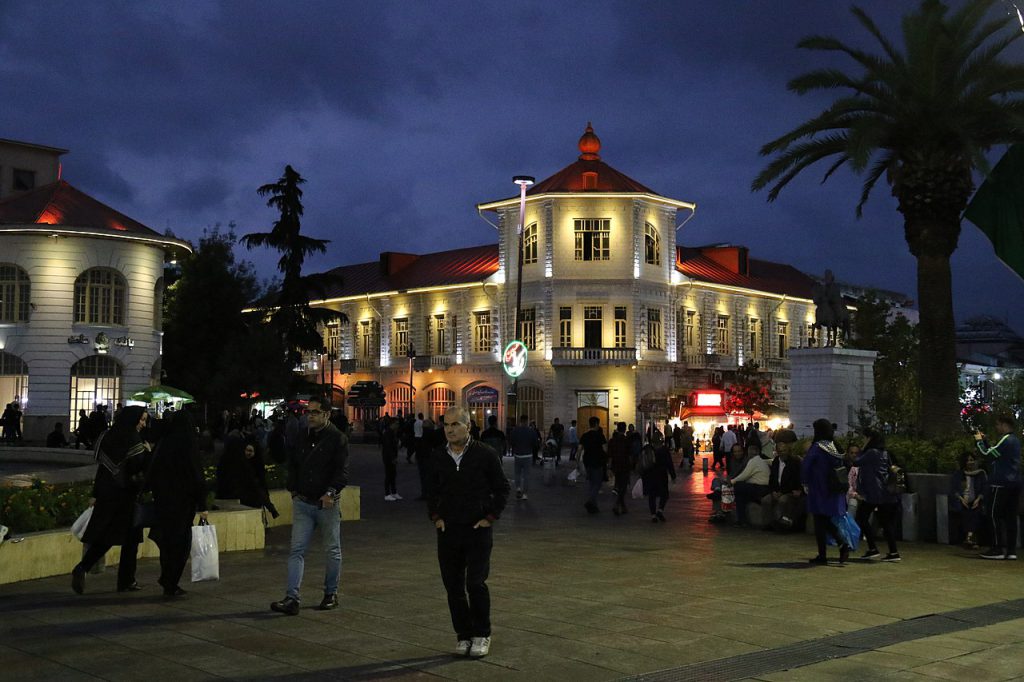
point(316, 475)
point(783, 505)
point(468, 493)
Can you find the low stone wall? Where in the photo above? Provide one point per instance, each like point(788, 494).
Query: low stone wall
point(55, 552)
point(351, 497)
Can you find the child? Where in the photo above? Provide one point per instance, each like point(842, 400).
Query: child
point(721, 477)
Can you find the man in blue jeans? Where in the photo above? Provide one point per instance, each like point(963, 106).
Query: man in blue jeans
point(316, 475)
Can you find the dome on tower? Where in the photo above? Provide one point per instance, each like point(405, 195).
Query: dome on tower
point(590, 145)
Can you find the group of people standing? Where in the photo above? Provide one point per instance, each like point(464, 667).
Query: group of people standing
point(128, 464)
point(10, 421)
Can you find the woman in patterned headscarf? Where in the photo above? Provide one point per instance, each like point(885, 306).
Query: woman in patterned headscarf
point(122, 456)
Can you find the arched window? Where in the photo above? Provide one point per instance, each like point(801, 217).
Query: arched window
point(652, 245)
point(100, 297)
point(95, 380)
point(14, 293)
point(530, 244)
point(158, 305)
point(13, 378)
point(439, 399)
point(399, 399)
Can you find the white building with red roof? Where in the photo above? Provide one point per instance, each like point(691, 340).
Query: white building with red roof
point(615, 312)
point(81, 289)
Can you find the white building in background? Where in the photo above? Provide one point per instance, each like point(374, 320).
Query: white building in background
point(81, 290)
point(616, 313)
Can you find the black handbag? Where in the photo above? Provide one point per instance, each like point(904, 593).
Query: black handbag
point(145, 514)
point(839, 481)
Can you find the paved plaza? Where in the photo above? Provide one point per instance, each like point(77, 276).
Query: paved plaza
point(575, 597)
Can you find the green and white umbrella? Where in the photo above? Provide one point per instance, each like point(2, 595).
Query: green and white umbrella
point(159, 393)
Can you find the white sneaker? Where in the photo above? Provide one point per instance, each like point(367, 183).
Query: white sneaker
point(396, 496)
point(389, 498)
point(525, 496)
point(463, 647)
point(480, 647)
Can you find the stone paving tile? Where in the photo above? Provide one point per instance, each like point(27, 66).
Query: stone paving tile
point(574, 598)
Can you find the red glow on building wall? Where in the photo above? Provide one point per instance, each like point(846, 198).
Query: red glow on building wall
point(50, 216)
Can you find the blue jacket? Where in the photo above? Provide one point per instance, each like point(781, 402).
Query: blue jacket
point(815, 470)
point(1006, 460)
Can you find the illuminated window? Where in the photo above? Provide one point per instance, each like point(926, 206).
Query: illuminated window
point(565, 327)
point(441, 333)
point(100, 297)
point(722, 335)
point(592, 238)
point(654, 329)
point(620, 326)
point(482, 332)
point(530, 401)
point(528, 328)
point(400, 399)
point(813, 340)
point(332, 339)
point(690, 335)
point(783, 339)
point(368, 340)
point(530, 244)
point(400, 327)
point(95, 380)
point(15, 291)
point(754, 350)
point(13, 379)
point(652, 245)
point(439, 399)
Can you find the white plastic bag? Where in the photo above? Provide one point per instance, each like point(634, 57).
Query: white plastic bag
point(205, 555)
point(81, 523)
point(638, 489)
point(574, 475)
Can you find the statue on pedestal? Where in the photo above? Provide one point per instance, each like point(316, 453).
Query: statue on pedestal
point(830, 312)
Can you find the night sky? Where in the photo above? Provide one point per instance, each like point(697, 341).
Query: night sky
point(403, 115)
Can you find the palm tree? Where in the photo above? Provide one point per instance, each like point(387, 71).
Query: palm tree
point(923, 117)
point(296, 321)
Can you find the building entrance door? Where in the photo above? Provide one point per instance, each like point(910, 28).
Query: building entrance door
point(592, 404)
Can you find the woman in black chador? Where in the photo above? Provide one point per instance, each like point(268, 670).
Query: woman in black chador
point(176, 479)
point(119, 478)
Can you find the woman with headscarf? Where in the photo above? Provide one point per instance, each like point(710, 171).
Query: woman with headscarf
point(176, 479)
point(119, 478)
point(656, 477)
point(824, 500)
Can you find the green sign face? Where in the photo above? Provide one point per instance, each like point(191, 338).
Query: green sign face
point(513, 360)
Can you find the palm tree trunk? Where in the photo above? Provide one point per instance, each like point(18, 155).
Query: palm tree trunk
point(937, 372)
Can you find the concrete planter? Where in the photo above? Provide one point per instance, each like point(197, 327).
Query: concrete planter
point(55, 552)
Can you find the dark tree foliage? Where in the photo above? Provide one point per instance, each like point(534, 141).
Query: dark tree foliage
point(897, 401)
point(291, 316)
point(921, 116)
point(211, 348)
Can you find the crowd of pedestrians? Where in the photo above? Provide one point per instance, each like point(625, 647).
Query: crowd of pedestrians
point(846, 495)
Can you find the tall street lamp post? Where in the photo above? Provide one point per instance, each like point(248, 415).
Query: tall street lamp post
point(523, 181)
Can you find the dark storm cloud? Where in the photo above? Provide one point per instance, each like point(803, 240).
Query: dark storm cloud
point(402, 115)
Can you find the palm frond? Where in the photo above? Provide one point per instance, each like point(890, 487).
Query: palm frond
point(869, 61)
point(868, 23)
point(788, 164)
point(880, 167)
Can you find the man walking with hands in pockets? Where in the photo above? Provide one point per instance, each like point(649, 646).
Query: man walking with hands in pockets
point(469, 492)
point(317, 472)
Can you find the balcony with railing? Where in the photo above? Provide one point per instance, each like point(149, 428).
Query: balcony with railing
point(423, 363)
point(366, 364)
point(593, 356)
point(709, 361)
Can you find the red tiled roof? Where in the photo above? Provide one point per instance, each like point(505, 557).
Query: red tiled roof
point(570, 179)
point(61, 204)
point(776, 278)
point(458, 266)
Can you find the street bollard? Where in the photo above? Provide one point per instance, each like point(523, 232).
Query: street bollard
point(704, 465)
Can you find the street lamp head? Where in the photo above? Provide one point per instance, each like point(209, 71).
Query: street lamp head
point(524, 180)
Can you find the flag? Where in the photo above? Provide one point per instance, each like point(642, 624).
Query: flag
point(997, 208)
